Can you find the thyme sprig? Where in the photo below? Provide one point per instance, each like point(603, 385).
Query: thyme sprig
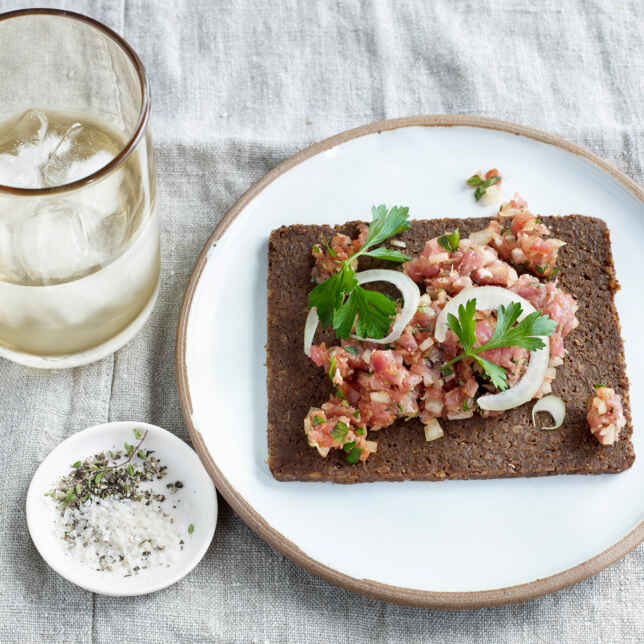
point(107, 475)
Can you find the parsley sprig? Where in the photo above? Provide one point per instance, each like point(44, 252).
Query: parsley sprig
point(339, 298)
point(481, 184)
point(507, 334)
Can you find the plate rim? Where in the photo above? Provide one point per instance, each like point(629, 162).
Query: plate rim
point(375, 589)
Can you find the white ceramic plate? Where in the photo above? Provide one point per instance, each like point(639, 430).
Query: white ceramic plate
point(198, 505)
point(454, 543)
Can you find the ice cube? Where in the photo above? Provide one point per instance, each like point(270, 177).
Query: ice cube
point(29, 129)
point(65, 239)
point(25, 146)
point(53, 244)
point(80, 152)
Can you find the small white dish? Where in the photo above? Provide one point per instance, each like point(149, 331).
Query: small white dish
point(198, 507)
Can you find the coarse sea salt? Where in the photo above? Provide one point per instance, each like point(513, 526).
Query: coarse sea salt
point(120, 535)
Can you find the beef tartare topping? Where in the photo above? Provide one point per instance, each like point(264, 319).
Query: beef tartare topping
point(376, 384)
point(605, 415)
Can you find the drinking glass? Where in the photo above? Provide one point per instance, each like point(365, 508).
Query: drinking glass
point(79, 232)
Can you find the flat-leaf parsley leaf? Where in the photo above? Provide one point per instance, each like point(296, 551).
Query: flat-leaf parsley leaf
point(339, 299)
point(508, 333)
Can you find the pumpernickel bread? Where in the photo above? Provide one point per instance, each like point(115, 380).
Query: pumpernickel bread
point(475, 448)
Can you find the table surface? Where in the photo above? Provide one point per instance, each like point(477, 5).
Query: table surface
point(237, 87)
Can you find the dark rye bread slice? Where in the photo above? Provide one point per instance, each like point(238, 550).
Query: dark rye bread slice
point(471, 449)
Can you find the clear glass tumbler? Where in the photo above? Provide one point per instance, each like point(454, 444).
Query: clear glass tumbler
point(79, 233)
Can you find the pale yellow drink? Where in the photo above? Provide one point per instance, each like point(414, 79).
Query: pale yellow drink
point(77, 267)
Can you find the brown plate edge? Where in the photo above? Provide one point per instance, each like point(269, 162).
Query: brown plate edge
point(377, 590)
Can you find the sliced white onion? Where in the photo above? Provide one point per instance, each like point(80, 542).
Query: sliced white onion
point(433, 430)
point(371, 446)
point(398, 242)
point(492, 195)
point(481, 237)
point(489, 298)
point(411, 298)
point(554, 406)
point(310, 327)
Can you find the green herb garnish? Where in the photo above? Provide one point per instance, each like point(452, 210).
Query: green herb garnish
point(352, 350)
point(339, 298)
point(481, 184)
point(450, 241)
point(599, 386)
point(191, 528)
point(332, 367)
point(507, 334)
point(137, 434)
point(354, 455)
point(361, 431)
point(317, 420)
point(339, 432)
point(76, 465)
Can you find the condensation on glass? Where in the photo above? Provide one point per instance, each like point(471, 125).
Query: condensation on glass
point(79, 232)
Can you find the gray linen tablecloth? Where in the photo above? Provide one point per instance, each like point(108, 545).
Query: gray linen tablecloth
point(239, 86)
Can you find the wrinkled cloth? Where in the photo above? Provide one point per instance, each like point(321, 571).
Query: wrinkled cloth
point(237, 87)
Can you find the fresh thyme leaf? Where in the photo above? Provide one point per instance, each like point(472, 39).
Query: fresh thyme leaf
point(388, 253)
point(508, 333)
point(191, 528)
point(76, 465)
point(137, 434)
point(450, 241)
point(339, 432)
point(130, 469)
